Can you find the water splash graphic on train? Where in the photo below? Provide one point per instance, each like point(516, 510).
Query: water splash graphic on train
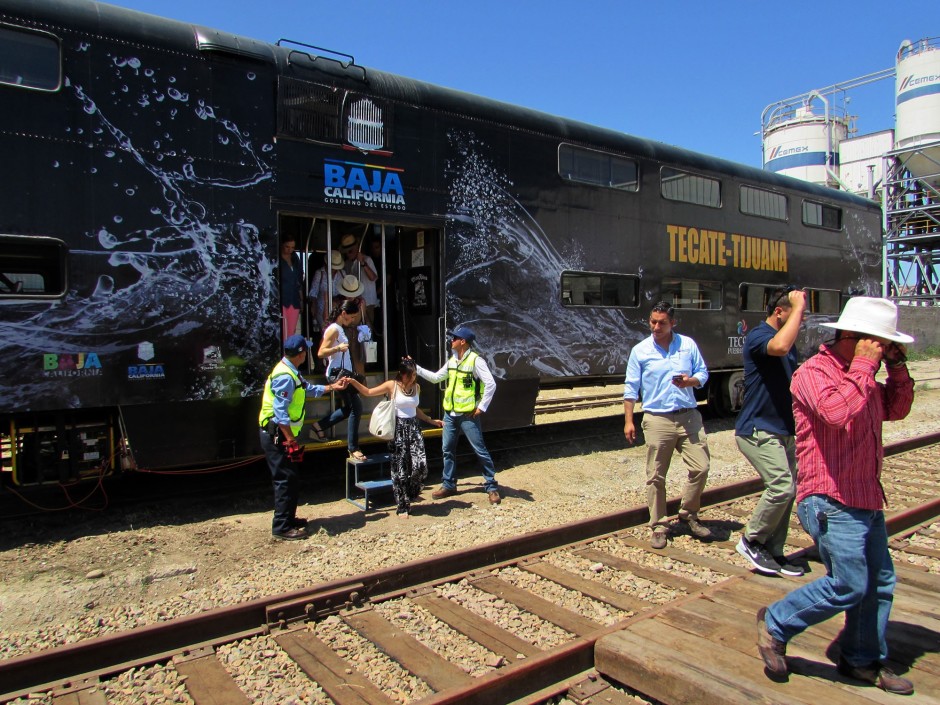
point(509, 278)
point(172, 267)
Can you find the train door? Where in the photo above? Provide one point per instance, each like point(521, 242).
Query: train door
point(399, 272)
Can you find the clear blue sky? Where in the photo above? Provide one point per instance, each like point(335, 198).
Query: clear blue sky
point(694, 74)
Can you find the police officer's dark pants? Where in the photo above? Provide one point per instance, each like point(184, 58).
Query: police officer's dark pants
point(286, 484)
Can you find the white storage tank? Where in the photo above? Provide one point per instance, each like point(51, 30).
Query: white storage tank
point(917, 97)
point(803, 144)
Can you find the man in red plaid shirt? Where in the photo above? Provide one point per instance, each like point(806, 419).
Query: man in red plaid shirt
point(839, 409)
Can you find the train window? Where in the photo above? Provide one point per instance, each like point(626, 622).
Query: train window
point(29, 59)
point(682, 186)
point(756, 297)
point(689, 293)
point(599, 168)
point(599, 289)
point(31, 267)
point(765, 204)
point(691, 188)
point(821, 216)
point(825, 301)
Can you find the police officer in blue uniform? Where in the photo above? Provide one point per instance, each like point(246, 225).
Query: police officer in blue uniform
point(280, 420)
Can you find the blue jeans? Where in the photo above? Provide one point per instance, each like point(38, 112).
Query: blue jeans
point(859, 580)
point(351, 408)
point(470, 425)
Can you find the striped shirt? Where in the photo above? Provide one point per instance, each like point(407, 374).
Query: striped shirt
point(839, 409)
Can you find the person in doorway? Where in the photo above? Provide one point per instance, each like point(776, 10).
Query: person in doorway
point(318, 297)
point(664, 369)
point(335, 347)
point(765, 432)
point(350, 289)
point(839, 410)
point(292, 286)
point(280, 420)
point(363, 268)
point(470, 389)
point(409, 458)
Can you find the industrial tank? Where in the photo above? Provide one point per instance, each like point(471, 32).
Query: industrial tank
point(917, 97)
point(803, 144)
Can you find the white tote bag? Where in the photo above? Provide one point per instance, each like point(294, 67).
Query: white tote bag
point(382, 423)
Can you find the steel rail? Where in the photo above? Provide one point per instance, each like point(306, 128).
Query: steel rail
point(107, 655)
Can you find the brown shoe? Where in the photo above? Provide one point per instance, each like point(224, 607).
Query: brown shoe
point(443, 492)
point(773, 651)
point(877, 674)
point(697, 529)
point(494, 497)
point(291, 535)
point(658, 539)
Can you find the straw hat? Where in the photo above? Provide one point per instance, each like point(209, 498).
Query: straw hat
point(336, 259)
point(350, 287)
point(347, 242)
point(871, 316)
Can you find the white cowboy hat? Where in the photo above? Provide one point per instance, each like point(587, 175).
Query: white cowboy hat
point(336, 259)
point(877, 317)
point(350, 287)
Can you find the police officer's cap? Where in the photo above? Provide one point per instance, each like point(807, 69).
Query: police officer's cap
point(296, 344)
point(465, 334)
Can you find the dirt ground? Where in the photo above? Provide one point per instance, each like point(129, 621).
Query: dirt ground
point(72, 576)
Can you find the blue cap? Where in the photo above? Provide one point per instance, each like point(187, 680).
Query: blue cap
point(296, 344)
point(465, 333)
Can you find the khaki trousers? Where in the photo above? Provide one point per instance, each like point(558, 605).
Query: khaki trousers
point(665, 433)
point(774, 458)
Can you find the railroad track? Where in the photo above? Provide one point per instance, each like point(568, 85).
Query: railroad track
point(551, 405)
point(506, 621)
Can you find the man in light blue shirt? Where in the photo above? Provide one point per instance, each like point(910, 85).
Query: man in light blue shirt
point(663, 370)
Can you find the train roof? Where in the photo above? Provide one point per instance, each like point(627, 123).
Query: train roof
point(295, 60)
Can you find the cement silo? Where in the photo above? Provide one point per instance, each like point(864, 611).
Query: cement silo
point(802, 142)
point(917, 98)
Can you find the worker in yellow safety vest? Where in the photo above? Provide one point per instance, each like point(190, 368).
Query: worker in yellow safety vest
point(281, 420)
point(470, 389)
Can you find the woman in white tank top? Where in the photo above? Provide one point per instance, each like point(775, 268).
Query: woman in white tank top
point(409, 459)
point(335, 347)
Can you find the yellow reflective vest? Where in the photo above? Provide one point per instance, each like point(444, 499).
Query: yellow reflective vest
point(296, 408)
point(463, 389)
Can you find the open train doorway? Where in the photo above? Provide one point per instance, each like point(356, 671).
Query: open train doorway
point(397, 268)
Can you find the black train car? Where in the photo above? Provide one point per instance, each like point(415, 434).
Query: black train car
point(152, 166)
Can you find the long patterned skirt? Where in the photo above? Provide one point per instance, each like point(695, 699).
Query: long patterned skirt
point(409, 464)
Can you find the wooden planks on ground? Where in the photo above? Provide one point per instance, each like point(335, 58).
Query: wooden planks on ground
point(343, 683)
point(566, 619)
point(475, 627)
point(84, 696)
point(591, 588)
point(713, 564)
point(208, 682)
point(704, 651)
point(658, 576)
point(407, 651)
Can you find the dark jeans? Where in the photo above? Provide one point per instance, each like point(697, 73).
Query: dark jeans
point(286, 483)
point(351, 408)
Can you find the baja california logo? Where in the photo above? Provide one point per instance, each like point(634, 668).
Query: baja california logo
point(363, 185)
